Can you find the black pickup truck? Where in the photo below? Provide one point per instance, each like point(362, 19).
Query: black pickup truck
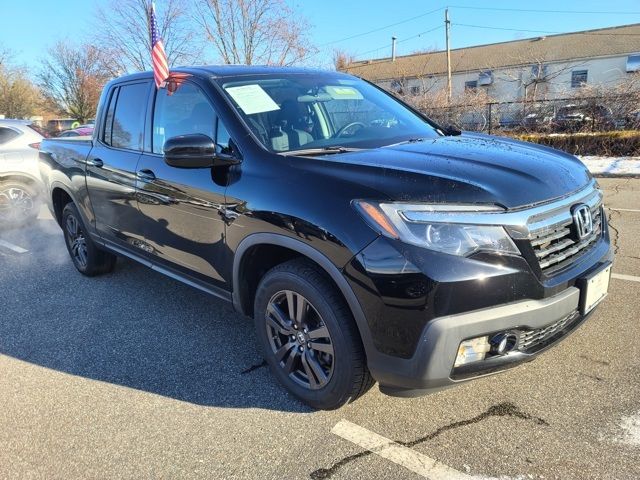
point(367, 242)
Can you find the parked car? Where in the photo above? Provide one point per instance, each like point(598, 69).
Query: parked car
point(20, 183)
point(573, 118)
point(57, 125)
point(81, 131)
point(632, 120)
point(538, 120)
point(365, 249)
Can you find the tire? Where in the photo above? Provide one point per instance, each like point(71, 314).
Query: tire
point(320, 360)
point(85, 254)
point(19, 203)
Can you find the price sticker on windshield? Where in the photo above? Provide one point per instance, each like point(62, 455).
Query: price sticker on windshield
point(252, 99)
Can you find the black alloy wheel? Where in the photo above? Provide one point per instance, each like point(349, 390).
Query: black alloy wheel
point(299, 339)
point(77, 241)
point(309, 337)
point(87, 257)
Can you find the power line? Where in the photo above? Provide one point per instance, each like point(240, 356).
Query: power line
point(487, 27)
point(609, 12)
point(462, 7)
point(403, 40)
point(382, 28)
point(421, 33)
point(491, 28)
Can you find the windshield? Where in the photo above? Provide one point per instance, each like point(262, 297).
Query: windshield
point(321, 111)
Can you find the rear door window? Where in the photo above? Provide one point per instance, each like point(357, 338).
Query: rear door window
point(7, 134)
point(108, 122)
point(127, 127)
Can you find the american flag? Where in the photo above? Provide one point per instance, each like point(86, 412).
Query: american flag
point(158, 57)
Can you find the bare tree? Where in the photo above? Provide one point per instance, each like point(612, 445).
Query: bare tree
point(254, 31)
point(342, 59)
point(123, 27)
point(72, 79)
point(537, 76)
point(610, 105)
point(5, 56)
point(467, 110)
point(19, 97)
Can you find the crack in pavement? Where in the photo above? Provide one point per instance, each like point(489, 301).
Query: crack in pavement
point(595, 360)
point(614, 239)
point(505, 409)
point(617, 187)
point(254, 367)
point(592, 377)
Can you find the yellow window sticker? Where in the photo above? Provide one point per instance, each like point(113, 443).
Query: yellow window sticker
point(343, 93)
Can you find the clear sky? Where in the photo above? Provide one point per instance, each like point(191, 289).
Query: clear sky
point(28, 27)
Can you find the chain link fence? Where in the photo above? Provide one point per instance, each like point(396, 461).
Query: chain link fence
point(565, 115)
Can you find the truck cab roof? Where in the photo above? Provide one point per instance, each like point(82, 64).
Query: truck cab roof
point(219, 71)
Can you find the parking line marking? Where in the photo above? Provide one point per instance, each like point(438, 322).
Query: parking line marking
point(12, 247)
point(399, 454)
point(623, 209)
point(620, 276)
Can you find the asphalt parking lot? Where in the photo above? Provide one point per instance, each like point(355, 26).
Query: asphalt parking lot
point(133, 375)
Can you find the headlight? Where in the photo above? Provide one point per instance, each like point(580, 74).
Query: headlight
point(415, 224)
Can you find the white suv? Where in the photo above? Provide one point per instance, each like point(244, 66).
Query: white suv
point(20, 182)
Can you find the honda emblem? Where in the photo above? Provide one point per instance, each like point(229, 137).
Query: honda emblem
point(582, 221)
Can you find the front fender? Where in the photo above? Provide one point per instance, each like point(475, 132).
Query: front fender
point(317, 257)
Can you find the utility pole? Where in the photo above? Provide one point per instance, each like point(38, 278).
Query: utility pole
point(447, 26)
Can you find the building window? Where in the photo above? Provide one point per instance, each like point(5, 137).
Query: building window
point(538, 70)
point(397, 87)
point(485, 78)
point(578, 78)
point(471, 85)
point(633, 63)
point(415, 90)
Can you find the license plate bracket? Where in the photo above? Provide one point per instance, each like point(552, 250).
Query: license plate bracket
point(594, 288)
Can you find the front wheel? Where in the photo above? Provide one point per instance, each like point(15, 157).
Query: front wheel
point(85, 254)
point(309, 337)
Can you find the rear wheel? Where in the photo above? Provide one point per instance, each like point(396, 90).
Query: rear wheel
point(18, 203)
point(308, 336)
point(85, 254)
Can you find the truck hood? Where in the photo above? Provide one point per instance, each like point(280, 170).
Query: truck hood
point(470, 168)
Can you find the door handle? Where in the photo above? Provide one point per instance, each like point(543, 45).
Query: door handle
point(95, 162)
point(146, 175)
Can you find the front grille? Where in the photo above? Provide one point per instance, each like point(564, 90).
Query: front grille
point(530, 339)
point(556, 246)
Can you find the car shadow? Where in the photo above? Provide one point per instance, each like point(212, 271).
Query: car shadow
point(134, 328)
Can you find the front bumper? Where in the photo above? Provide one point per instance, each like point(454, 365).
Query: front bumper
point(420, 306)
point(431, 368)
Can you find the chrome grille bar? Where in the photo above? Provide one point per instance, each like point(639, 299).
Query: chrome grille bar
point(556, 248)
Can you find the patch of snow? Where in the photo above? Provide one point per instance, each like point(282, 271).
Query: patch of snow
point(612, 165)
point(630, 430)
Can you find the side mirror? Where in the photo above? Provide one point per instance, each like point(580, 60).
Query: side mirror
point(195, 151)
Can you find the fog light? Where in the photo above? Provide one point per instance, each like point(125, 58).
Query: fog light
point(503, 343)
point(472, 350)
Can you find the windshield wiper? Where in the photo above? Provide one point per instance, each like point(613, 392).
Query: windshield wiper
point(411, 140)
point(322, 151)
